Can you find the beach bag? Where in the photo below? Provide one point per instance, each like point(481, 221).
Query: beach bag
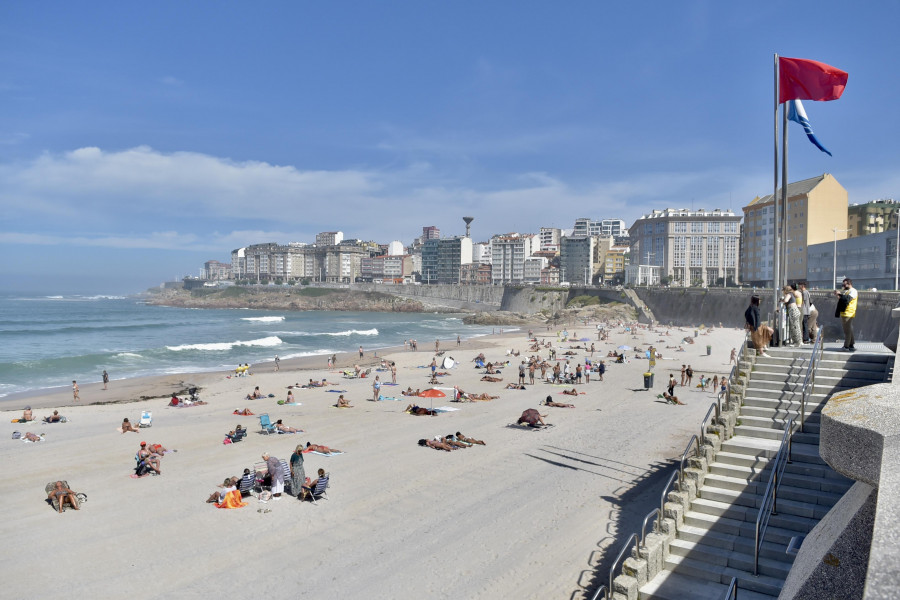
point(17, 435)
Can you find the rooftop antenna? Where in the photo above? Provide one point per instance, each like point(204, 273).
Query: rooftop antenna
point(468, 221)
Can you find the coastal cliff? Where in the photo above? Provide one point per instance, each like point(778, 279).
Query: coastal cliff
point(284, 299)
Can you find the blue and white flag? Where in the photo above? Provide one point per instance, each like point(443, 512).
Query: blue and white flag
point(796, 113)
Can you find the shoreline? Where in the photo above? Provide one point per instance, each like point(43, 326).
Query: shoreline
point(154, 387)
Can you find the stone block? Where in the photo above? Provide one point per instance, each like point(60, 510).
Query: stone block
point(625, 587)
point(675, 510)
point(654, 552)
point(636, 568)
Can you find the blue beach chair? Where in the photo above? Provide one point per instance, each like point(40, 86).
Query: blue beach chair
point(266, 424)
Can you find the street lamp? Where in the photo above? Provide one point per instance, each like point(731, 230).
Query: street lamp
point(834, 256)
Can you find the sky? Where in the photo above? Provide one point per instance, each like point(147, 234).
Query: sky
point(139, 140)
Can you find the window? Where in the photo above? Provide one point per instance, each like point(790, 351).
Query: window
point(697, 251)
point(713, 227)
point(678, 250)
point(660, 228)
point(679, 227)
point(697, 227)
point(712, 251)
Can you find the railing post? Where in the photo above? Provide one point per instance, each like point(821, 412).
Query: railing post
point(775, 489)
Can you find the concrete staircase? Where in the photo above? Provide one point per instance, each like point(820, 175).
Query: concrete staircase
point(708, 534)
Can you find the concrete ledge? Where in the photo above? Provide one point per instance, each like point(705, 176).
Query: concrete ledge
point(860, 438)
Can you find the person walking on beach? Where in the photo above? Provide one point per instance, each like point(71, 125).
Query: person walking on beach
point(458, 341)
point(360, 352)
point(393, 372)
point(672, 383)
point(75, 395)
point(277, 363)
point(689, 373)
point(105, 379)
point(298, 475)
point(683, 375)
point(733, 359)
point(437, 346)
point(376, 388)
point(330, 362)
point(522, 373)
point(846, 310)
point(601, 369)
point(531, 369)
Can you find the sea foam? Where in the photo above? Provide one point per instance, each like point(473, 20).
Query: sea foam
point(266, 341)
point(263, 319)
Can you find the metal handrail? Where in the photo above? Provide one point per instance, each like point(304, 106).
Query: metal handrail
point(731, 594)
point(618, 558)
point(602, 589)
point(662, 498)
point(684, 458)
point(658, 513)
point(771, 494)
point(712, 406)
point(809, 382)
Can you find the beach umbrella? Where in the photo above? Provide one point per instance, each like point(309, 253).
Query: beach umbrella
point(432, 393)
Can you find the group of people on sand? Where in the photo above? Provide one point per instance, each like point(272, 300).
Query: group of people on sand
point(451, 441)
point(149, 457)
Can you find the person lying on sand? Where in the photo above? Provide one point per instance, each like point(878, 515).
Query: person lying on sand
point(451, 442)
point(492, 379)
point(343, 402)
point(63, 495)
point(672, 399)
point(320, 448)
point(54, 418)
point(32, 437)
point(572, 392)
point(284, 428)
point(244, 413)
point(515, 386)
point(127, 426)
point(469, 440)
point(436, 445)
point(467, 396)
point(418, 410)
point(409, 392)
point(549, 402)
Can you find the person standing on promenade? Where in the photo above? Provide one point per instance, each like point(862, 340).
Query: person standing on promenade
point(793, 314)
point(376, 388)
point(277, 363)
point(804, 310)
point(75, 395)
point(846, 310)
point(105, 379)
point(760, 334)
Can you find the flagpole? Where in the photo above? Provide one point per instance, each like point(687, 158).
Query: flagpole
point(776, 250)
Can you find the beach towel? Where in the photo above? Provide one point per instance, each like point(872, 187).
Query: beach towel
point(525, 426)
point(445, 409)
point(232, 500)
point(565, 394)
point(337, 391)
point(323, 454)
point(380, 397)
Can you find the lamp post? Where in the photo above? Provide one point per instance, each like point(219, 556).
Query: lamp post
point(834, 256)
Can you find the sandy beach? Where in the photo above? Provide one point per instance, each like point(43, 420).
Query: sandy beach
point(529, 515)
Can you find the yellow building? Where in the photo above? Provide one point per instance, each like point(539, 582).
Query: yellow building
point(816, 207)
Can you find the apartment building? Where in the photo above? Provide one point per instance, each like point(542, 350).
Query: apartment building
point(686, 247)
point(576, 259)
point(549, 239)
point(508, 254)
point(442, 259)
point(817, 213)
point(872, 217)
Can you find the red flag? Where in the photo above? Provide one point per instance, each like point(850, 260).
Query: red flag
point(802, 79)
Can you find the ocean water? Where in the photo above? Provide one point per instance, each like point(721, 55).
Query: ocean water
point(47, 341)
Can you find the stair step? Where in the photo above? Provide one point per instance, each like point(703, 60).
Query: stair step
point(783, 519)
point(716, 573)
point(735, 476)
point(745, 530)
point(753, 501)
point(733, 542)
point(668, 585)
point(773, 567)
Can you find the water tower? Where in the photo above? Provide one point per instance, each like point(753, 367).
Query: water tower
point(468, 221)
